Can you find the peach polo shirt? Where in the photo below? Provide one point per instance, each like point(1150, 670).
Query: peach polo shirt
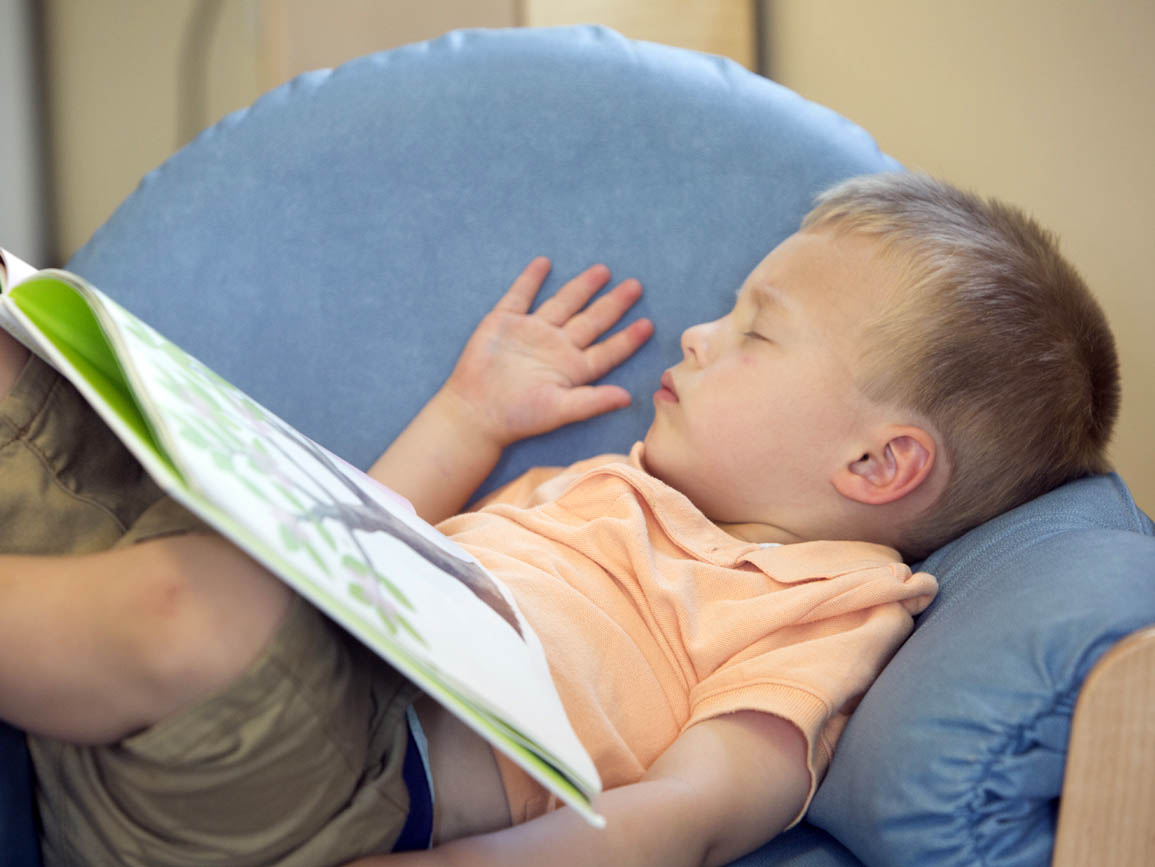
point(654, 619)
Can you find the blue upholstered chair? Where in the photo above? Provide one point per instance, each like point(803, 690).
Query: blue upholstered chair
point(330, 248)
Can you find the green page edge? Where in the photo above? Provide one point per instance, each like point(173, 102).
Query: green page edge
point(63, 316)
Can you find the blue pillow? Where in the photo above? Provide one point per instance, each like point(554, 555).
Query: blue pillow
point(956, 755)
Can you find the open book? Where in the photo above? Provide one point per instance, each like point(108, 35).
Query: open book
point(348, 544)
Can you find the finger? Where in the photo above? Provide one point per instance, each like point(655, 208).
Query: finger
point(586, 401)
point(524, 289)
point(591, 323)
point(603, 357)
point(572, 297)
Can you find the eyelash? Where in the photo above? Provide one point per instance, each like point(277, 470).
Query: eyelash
point(750, 335)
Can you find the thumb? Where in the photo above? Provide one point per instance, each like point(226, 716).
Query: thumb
point(587, 401)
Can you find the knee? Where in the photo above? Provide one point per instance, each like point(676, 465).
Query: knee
point(202, 612)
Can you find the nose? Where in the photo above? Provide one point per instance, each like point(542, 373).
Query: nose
point(695, 342)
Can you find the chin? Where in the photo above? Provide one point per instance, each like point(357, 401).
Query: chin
point(649, 454)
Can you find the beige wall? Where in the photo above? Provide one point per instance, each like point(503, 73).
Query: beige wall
point(115, 106)
point(1047, 103)
point(724, 27)
point(299, 35)
point(130, 81)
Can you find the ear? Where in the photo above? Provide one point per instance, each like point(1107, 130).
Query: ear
point(896, 468)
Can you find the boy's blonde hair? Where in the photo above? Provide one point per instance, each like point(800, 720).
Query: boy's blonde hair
point(992, 336)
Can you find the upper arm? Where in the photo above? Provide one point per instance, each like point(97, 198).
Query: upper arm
point(749, 777)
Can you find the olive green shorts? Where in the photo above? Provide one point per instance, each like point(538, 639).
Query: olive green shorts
point(297, 762)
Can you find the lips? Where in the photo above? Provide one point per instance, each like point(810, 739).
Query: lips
point(667, 392)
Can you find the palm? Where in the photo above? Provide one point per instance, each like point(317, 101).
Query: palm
point(526, 373)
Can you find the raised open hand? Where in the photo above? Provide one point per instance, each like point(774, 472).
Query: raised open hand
point(525, 373)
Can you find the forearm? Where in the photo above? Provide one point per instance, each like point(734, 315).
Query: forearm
point(722, 789)
point(439, 460)
point(563, 839)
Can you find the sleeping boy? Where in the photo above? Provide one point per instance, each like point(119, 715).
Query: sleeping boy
point(912, 362)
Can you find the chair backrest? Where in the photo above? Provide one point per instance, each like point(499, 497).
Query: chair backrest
point(330, 248)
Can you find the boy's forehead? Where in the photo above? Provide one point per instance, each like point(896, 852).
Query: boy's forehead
point(823, 261)
point(827, 287)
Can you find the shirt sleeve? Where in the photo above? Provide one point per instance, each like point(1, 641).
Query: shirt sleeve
point(814, 671)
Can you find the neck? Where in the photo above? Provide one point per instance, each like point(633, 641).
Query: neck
point(755, 532)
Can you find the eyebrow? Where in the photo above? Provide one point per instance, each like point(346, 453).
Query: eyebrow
point(768, 296)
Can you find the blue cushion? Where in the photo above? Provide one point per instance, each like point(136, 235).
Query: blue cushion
point(956, 755)
point(330, 248)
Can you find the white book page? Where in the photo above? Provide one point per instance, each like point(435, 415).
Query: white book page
point(352, 546)
point(13, 269)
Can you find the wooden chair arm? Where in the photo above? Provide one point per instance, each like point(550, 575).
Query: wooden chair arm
point(1107, 811)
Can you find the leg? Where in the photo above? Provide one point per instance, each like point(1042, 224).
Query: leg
point(95, 647)
point(297, 761)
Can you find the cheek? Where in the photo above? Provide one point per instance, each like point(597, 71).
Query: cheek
point(736, 402)
point(730, 427)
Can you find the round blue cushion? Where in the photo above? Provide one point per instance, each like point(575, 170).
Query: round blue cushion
point(330, 248)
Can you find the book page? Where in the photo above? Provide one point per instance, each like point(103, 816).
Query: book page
point(13, 270)
point(348, 544)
